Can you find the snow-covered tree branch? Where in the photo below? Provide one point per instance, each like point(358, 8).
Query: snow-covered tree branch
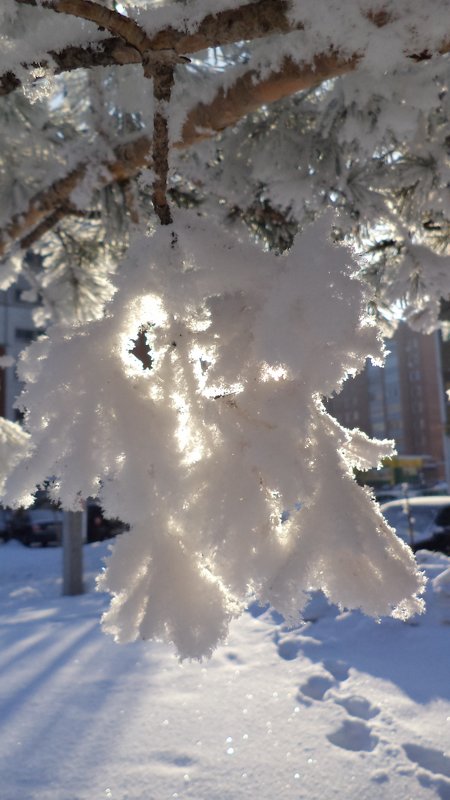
point(247, 93)
point(217, 449)
point(204, 120)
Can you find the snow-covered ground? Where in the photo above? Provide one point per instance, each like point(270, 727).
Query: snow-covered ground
point(342, 707)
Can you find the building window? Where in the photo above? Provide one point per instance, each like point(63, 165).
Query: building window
point(18, 297)
point(26, 334)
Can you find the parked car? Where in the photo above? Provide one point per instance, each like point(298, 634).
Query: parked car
point(422, 522)
point(398, 492)
point(37, 526)
point(98, 526)
point(386, 497)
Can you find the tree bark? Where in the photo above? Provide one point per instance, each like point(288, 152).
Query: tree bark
point(162, 88)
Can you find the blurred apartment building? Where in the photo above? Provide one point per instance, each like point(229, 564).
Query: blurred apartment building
point(17, 330)
point(404, 401)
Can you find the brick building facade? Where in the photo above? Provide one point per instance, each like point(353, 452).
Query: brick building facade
point(404, 401)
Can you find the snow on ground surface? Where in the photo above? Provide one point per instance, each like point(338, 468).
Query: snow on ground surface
point(342, 707)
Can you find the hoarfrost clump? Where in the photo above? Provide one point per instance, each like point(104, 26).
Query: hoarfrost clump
point(14, 445)
point(205, 452)
point(8, 11)
point(40, 84)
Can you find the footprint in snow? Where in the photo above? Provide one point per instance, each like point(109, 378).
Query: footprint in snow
point(358, 706)
point(315, 687)
point(439, 785)
point(353, 735)
point(233, 657)
point(289, 648)
point(426, 757)
point(434, 769)
point(338, 669)
point(169, 757)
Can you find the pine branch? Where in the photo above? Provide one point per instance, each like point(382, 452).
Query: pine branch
point(249, 93)
point(162, 88)
point(253, 21)
point(106, 19)
point(52, 204)
point(106, 53)
point(246, 95)
point(204, 121)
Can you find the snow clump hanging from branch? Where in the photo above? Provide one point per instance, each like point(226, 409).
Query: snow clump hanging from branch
point(235, 481)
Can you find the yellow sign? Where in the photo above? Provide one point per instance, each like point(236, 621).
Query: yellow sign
point(404, 462)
